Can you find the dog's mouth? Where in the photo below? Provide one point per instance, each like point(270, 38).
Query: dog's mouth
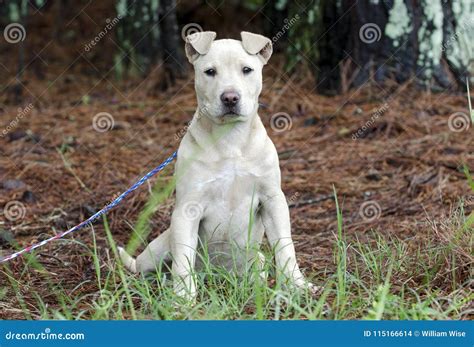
point(231, 113)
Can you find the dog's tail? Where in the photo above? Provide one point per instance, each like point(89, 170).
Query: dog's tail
point(128, 261)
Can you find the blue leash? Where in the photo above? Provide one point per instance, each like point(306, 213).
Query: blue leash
point(95, 216)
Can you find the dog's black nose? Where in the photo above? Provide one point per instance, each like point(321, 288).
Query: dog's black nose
point(230, 99)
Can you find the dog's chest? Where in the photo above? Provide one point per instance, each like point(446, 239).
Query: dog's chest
point(230, 197)
point(230, 181)
point(226, 190)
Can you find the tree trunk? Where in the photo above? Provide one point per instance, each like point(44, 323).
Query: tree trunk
point(138, 35)
point(274, 15)
point(147, 34)
point(14, 29)
point(173, 58)
point(359, 41)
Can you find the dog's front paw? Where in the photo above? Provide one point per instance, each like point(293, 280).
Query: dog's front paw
point(312, 288)
point(128, 261)
point(304, 285)
point(186, 296)
point(185, 290)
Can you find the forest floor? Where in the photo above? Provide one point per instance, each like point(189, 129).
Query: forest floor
point(404, 248)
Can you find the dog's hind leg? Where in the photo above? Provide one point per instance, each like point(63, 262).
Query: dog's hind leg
point(153, 256)
point(261, 266)
point(261, 271)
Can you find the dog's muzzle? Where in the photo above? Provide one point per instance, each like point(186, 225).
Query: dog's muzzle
point(230, 101)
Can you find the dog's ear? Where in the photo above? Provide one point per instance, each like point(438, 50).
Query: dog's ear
point(257, 44)
point(198, 43)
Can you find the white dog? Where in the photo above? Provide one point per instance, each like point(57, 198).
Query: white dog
point(227, 173)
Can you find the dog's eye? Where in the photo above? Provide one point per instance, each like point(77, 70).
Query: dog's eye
point(246, 70)
point(210, 72)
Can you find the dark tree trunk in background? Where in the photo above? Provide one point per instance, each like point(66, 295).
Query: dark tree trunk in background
point(173, 57)
point(138, 34)
point(345, 43)
point(59, 10)
point(14, 30)
point(274, 15)
point(357, 41)
point(329, 44)
point(148, 34)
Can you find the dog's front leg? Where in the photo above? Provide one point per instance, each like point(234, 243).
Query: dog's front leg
point(184, 240)
point(276, 220)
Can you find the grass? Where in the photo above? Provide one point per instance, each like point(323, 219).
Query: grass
point(387, 278)
point(429, 277)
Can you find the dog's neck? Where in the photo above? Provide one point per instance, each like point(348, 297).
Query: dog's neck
point(227, 139)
